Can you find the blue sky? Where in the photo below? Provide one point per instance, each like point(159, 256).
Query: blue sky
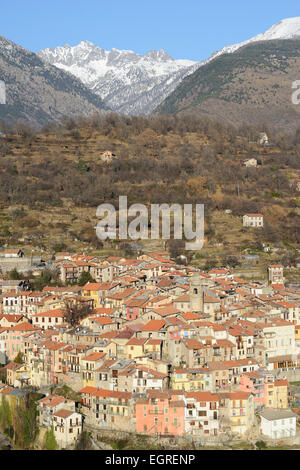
point(189, 29)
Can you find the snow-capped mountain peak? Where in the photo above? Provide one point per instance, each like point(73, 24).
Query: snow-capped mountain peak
point(159, 55)
point(132, 83)
point(284, 29)
point(127, 81)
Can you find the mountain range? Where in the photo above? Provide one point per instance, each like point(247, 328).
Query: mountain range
point(129, 83)
point(252, 85)
point(248, 81)
point(39, 93)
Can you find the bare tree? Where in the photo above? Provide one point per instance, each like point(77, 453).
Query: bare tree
point(75, 310)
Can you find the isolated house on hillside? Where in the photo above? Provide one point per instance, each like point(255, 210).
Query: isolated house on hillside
point(253, 220)
point(251, 162)
point(263, 138)
point(107, 156)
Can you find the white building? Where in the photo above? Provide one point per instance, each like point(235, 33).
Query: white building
point(263, 138)
point(202, 414)
point(253, 220)
point(67, 427)
point(277, 423)
point(51, 404)
point(49, 319)
point(276, 274)
point(251, 162)
point(3, 345)
point(277, 337)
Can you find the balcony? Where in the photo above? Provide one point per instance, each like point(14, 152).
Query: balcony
point(108, 412)
point(112, 403)
point(158, 412)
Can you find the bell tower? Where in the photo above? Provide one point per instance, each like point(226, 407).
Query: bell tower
point(196, 293)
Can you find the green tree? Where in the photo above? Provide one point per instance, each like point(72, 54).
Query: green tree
point(5, 414)
point(50, 441)
point(19, 358)
point(14, 275)
point(84, 278)
point(25, 421)
point(261, 445)
point(82, 166)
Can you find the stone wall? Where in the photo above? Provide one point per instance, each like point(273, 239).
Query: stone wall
point(290, 374)
point(21, 264)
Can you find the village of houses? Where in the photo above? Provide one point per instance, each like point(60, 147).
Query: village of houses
point(164, 350)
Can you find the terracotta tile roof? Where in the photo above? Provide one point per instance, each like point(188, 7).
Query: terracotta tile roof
point(102, 320)
point(104, 311)
point(153, 325)
point(57, 312)
point(191, 316)
point(166, 311)
point(182, 298)
point(63, 413)
point(11, 318)
point(203, 396)
point(25, 326)
point(88, 390)
point(111, 394)
point(53, 400)
point(153, 342)
point(281, 383)
point(6, 390)
point(95, 356)
point(13, 366)
point(136, 342)
point(192, 344)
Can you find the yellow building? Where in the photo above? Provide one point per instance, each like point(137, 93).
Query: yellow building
point(89, 364)
point(237, 412)
point(135, 348)
point(190, 380)
point(297, 332)
point(277, 394)
point(17, 375)
point(153, 347)
point(92, 291)
point(179, 380)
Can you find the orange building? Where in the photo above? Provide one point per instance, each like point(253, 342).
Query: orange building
point(161, 413)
